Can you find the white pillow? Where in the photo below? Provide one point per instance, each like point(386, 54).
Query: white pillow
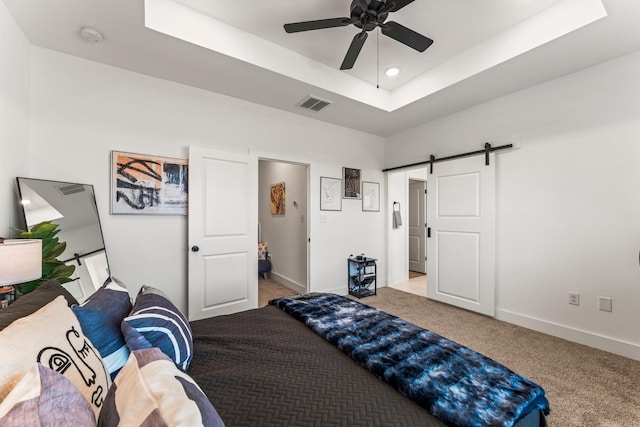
point(52, 336)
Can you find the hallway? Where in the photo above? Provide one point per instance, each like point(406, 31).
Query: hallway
point(417, 284)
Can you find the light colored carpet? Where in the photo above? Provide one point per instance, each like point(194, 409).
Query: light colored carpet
point(269, 289)
point(585, 386)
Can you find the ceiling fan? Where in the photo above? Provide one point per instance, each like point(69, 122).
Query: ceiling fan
point(367, 14)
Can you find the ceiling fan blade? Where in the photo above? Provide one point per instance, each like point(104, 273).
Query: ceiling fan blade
point(316, 25)
point(406, 36)
point(354, 51)
point(398, 4)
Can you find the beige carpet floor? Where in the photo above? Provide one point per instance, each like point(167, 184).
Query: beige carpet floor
point(269, 289)
point(585, 386)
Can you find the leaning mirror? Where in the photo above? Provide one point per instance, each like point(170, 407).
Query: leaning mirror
point(73, 207)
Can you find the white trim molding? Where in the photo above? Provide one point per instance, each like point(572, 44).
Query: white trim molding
point(611, 345)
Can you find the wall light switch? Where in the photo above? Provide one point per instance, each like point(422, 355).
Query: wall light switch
point(574, 298)
point(605, 304)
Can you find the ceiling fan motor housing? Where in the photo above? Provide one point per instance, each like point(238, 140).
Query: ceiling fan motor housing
point(367, 19)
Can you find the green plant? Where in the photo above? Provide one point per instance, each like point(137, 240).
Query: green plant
point(52, 248)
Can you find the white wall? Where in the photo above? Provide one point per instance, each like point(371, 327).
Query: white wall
point(82, 110)
point(568, 201)
point(14, 118)
point(286, 235)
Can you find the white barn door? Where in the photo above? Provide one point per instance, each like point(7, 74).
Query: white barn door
point(223, 232)
point(461, 234)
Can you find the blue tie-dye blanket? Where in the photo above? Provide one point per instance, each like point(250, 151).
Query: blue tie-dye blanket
point(454, 383)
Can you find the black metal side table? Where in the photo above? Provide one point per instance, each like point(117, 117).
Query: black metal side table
point(362, 276)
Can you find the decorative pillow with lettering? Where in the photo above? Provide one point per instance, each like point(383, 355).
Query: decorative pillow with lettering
point(52, 336)
point(44, 397)
point(34, 301)
point(151, 390)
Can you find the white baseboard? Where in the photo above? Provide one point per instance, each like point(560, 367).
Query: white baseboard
point(396, 280)
point(612, 345)
point(285, 281)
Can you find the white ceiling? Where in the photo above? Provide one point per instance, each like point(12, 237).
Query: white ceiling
point(482, 49)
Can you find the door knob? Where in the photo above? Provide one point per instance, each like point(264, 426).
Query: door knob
point(194, 248)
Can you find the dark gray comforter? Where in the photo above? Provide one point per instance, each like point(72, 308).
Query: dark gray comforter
point(264, 368)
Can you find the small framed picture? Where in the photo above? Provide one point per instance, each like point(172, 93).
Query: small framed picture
point(278, 198)
point(370, 196)
point(330, 199)
point(351, 183)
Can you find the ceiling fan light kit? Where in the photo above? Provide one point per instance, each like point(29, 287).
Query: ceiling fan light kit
point(367, 15)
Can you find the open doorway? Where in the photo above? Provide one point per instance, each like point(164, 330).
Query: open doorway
point(417, 239)
point(407, 243)
point(416, 228)
point(283, 228)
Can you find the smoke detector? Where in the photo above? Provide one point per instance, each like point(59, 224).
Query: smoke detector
point(91, 35)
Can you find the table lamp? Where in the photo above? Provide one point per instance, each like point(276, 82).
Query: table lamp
point(20, 262)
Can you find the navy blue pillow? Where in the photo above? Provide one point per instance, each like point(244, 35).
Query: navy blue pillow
point(155, 321)
point(100, 317)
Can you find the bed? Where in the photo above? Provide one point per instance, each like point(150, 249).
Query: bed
point(286, 365)
point(305, 360)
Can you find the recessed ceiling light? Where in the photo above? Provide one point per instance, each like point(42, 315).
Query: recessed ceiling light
point(91, 35)
point(392, 71)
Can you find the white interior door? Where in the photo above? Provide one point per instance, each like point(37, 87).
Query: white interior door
point(416, 226)
point(223, 232)
point(461, 246)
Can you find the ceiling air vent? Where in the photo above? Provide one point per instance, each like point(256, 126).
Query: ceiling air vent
point(69, 189)
point(314, 103)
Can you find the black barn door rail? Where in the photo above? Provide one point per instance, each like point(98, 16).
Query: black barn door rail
point(488, 149)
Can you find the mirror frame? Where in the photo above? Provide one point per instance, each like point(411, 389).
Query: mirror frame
point(75, 257)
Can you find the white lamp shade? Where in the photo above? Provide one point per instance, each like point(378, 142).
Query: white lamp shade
point(20, 261)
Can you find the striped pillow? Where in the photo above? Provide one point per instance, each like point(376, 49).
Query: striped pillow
point(155, 321)
point(100, 317)
point(151, 391)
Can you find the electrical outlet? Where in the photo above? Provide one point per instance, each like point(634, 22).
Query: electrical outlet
point(605, 304)
point(574, 298)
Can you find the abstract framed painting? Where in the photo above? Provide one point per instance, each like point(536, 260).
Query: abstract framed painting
point(330, 197)
point(351, 183)
point(147, 184)
point(278, 198)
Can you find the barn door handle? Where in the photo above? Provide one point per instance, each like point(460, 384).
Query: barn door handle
point(194, 248)
point(428, 232)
